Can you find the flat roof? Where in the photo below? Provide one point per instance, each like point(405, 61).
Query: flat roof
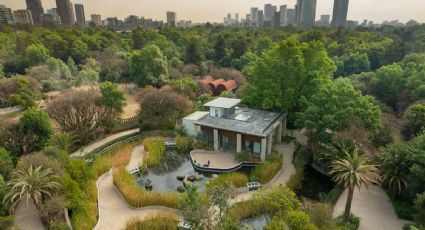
point(223, 102)
point(246, 121)
point(196, 115)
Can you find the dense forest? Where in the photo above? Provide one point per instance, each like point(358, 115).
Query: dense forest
point(361, 88)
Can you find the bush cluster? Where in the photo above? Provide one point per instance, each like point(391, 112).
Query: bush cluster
point(184, 144)
point(235, 178)
point(265, 172)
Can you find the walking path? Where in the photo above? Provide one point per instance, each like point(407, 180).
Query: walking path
point(373, 207)
point(27, 216)
point(282, 178)
point(97, 144)
point(114, 212)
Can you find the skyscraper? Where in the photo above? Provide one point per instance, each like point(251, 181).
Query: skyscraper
point(290, 16)
point(339, 17)
point(283, 15)
point(276, 20)
point(96, 19)
point(23, 17)
point(325, 20)
point(36, 9)
point(254, 15)
point(306, 13)
point(65, 12)
point(268, 12)
point(80, 15)
point(6, 16)
point(260, 18)
point(171, 18)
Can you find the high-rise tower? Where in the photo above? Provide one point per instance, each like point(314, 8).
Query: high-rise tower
point(36, 9)
point(339, 17)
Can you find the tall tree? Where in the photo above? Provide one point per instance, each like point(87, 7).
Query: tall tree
point(351, 172)
point(112, 97)
point(149, 67)
point(388, 84)
point(334, 107)
point(194, 51)
point(282, 75)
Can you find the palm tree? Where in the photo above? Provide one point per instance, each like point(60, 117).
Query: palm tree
point(395, 165)
point(62, 141)
point(353, 171)
point(31, 183)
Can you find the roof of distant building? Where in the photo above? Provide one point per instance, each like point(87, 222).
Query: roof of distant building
point(246, 121)
point(223, 102)
point(196, 115)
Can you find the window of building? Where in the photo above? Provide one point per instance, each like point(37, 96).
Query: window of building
point(216, 113)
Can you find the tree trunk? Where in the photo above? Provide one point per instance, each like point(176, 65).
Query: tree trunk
point(348, 203)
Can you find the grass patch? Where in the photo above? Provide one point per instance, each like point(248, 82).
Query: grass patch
point(265, 172)
point(138, 197)
point(246, 157)
point(184, 144)
point(116, 157)
point(154, 223)
point(155, 149)
point(235, 178)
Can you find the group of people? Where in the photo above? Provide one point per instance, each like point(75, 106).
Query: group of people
point(204, 165)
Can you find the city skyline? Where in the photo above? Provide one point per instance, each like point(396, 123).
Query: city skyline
point(212, 11)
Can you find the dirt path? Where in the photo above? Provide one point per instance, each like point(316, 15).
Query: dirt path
point(373, 207)
point(114, 212)
point(27, 216)
point(83, 151)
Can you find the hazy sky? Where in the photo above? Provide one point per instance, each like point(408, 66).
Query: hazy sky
point(215, 10)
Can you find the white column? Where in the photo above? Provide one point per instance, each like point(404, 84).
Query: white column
point(269, 143)
point(279, 132)
point(216, 145)
point(263, 149)
point(238, 143)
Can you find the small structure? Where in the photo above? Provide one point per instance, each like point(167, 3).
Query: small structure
point(253, 186)
point(184, 225)
point(230, 128)
point(217, 86)
point(134, 171)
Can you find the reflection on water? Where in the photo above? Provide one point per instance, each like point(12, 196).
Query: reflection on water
point(164, 175)
point(256, 223)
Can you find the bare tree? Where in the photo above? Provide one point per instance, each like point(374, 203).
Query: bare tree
point(82, 113)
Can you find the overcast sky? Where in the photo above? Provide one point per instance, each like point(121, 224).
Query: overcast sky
point(215, 10)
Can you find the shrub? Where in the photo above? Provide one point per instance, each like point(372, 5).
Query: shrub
point(154, 223)
point(295, 181)
point(321, 215)
point(6, 222)
point(403, 209)
point(184, 144)
point(136, 196)
point(420, 209)
point(246, 157)
point(235, 178)
point(265, 172)
point(334, 194)
point(155, 148)
point(352, 223)
point(243, 210)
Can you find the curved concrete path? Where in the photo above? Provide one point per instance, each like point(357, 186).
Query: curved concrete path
point(373, 207)
point(27, 216)
point(114, 212)
point(83, 151)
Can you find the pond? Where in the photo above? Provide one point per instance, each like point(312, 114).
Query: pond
point(164, 175)
point(315, 185)
point(255, 223)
